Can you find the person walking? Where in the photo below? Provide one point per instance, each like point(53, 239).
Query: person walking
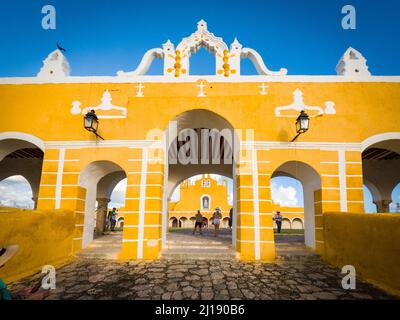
point(199, 222)
point(217, 216)
point(112, 217)
point(278, 220)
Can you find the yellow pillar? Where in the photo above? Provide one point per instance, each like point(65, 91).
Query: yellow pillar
point(255, 238)
point(142, 236)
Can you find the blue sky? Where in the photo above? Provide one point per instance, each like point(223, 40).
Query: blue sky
point(105, 36)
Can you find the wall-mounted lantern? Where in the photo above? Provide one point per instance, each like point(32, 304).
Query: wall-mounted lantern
point(91, 123)
point(302, 124)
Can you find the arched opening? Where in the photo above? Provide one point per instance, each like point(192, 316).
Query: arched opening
point(395, 205)
point(173, 222)
point(225, 222)
point(192, 222)
point(369, 205)
point(381, 163)
point(200, 142)
point(202, 62)
point(183, 222)
point(16, 192)
point(100, 179)
point(286, 224)
point(298, 182)
point(297, 224)
point(22, 155)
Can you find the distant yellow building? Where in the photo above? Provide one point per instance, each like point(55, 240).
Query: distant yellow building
point(207, 193)
point(204, 194)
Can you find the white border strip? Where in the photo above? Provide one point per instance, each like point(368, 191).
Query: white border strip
point(142, 203)
point(256, 206)
point(342, 180)
point(59, 177)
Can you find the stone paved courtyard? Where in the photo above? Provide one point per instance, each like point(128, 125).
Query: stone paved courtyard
point(293, 276)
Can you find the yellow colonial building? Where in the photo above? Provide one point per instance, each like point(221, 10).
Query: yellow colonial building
point(204, 194)
point(207, 193)
point(160, 130)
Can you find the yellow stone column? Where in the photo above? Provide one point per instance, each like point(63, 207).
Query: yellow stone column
point(255, 238)
point(142, 236)
point(59, 189)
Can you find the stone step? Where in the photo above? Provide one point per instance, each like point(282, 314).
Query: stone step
point(197, 256)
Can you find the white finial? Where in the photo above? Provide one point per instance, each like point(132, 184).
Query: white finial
point(352, 63)
point(201, 25)
point(55, 66)
point(236, 45)
point(168, 44)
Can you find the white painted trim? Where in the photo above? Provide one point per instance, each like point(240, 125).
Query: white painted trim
point(23, 136)
point(142, 203)
point(59, 177)
point(257, 247)
point(65, 160)
point(195, 78)
point(342, 180)
point(260, 145)
point(378, 138)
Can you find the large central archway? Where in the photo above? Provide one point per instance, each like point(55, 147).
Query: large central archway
point(189, 135)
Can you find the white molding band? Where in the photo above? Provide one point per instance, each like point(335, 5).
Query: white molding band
point(59, 177)
point(142, 203)
point(257, 248)
point(194, 78)
point(342, 180)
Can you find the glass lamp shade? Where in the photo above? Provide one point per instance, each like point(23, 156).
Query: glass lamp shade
point(302, 122)
point(91, 123)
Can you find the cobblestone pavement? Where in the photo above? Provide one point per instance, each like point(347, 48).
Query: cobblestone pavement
point(295, 277)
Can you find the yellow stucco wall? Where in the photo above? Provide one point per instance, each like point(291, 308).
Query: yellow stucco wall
point(363, 109)
point(369, 242)
point(44, 238)
point(46, 108)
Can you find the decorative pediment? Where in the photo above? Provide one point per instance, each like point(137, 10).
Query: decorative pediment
point(293, 110)
point(177, 60)
point(105, 110)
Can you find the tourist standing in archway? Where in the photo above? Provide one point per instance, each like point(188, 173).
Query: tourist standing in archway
point(199, 222)
point(278, 220)
point(217, 216)
point(112, 216)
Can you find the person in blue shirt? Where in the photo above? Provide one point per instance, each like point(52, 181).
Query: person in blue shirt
point(6, 254)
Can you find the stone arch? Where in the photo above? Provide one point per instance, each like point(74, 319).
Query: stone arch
point(380, 162)
point(89, 178)
point(173, 222)
point(311, 182)
point(297, 224)
point(192, 221)
point(286, 224)
point(197, 119)
point(225, 222)
point(22, 154)
point(183, 222)
point(120, 222)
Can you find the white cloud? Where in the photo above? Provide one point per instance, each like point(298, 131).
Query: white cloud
point(16, 192)
point(118, 195)
point(285, 196)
